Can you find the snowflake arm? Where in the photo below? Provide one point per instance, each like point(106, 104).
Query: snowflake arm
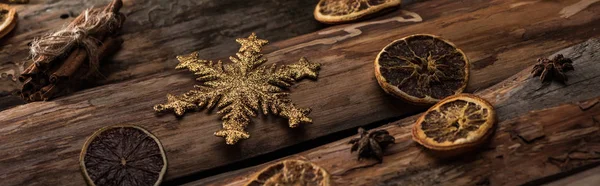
point(205, 70)
point(192, 100)
point(289, 74)
point(236, 116)
point(204, 96)
point(295, 115)
point(281, 105)
point(177, 105)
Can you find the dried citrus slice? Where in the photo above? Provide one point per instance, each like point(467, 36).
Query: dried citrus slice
point(123, 155)
point(422, 69)
point(338, 11)
point(456, 123)
point(7, 19)
point(291, 172)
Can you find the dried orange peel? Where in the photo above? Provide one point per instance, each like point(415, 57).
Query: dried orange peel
point(123, 155)
point(339, 11)
point(291, 172)
point(456, 123)
point(422, 69)
point(8, 19)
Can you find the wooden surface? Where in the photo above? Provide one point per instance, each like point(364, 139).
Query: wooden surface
point(586, 178)
point(156, 31)
point(543, 133)
point(41, 141)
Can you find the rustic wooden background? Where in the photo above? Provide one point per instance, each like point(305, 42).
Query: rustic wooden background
point(544, 135)
point(157, 31)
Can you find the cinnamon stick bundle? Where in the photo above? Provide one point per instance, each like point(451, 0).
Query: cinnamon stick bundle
point(67, 60)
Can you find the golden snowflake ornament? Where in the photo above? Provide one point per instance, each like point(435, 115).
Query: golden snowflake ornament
point(242, 88)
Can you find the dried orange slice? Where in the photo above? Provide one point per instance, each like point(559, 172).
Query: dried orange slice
point(422, 69)
point(123, 155)
point(338, 11)
point(456, 123)
point(7, 19)
point(291, 172)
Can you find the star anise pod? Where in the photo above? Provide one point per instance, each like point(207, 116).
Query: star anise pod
point(371, 144)
point(553, 69)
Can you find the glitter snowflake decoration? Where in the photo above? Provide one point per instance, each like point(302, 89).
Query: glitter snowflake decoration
point(242, 88)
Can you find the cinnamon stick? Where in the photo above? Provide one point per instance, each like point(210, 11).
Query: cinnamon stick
point(28, 72)
point(67, 74)
point(45, 78)
point(71, 64)
point(49, 91)
point(114, 6)
point(110, 46)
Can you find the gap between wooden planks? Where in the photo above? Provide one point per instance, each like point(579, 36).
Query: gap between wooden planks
point(543, 132)
point(41, 141)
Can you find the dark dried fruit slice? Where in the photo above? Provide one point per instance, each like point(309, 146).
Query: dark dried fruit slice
point(7, 19)
point(422, 69)
point(455, 123)
point(338, 11)
point(291, 172)
point(123, 155)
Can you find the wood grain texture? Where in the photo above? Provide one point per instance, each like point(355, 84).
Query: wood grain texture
point(585, 178)
point(156, 31)
point(41, 141)
point(542, 132)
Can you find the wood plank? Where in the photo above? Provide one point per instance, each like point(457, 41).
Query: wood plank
point(586, 178)
point(41, 141)
point(542, 132)
point(157, 31)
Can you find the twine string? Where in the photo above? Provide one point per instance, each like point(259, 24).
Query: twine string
point(51, 46)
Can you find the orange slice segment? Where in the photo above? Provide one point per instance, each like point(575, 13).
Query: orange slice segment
point(457, 122)
point(338, 11)
point(422, 69)
point(291, 172)
point(123, 155)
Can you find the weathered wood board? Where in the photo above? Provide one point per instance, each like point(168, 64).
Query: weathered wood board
point(156, 31)
point(41, 141)
point(585, 178)
point(543, 133)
